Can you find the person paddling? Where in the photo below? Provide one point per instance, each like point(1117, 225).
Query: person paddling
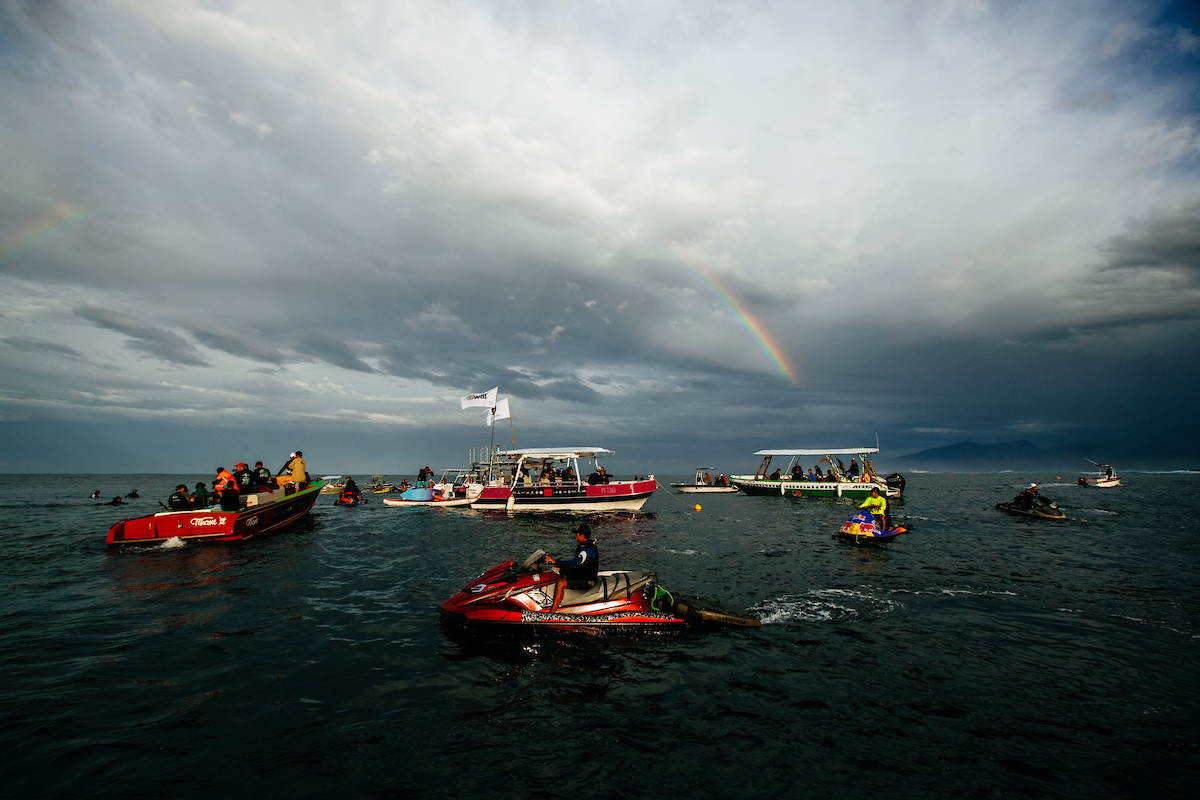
point(581, 571)
point(877, 505)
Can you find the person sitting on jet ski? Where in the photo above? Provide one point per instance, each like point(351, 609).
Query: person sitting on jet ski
point(350, 492)
point(581, 571)
point(1027, 499)
point(877, 505)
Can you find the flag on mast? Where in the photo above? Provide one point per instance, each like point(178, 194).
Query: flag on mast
point(486, 399)
point(499, 412)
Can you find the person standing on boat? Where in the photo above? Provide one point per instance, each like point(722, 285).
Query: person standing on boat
point(582, 571)
point(797, 472)
point(181, 500)
point(853, 473)
point(293, 473)
point(877, 505)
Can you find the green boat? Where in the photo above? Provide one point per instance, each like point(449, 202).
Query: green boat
point(839, 482)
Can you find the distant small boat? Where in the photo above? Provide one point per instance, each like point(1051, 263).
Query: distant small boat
point(452, 503)
point(705, 484)
point(1105, 476)
point(554, 492)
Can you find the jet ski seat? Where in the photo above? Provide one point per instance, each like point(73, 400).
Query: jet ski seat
point(609, 586)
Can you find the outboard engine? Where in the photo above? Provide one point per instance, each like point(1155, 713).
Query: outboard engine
point(895, 481)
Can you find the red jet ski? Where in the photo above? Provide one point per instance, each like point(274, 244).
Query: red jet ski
point(512, 597)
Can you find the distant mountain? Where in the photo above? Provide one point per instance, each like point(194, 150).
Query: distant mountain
point(1023, 456)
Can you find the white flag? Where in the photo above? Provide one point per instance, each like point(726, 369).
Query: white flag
point(499, 412)
point(487, 399)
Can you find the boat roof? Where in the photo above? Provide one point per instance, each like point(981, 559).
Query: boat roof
point(558, 452)
point(1097, 463)
point(703, 468)
point(824, 451)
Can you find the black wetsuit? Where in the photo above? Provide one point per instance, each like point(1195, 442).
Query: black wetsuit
point(180, 501)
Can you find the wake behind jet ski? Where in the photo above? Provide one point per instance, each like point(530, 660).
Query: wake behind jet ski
point(1031, 503)
point(520, 598)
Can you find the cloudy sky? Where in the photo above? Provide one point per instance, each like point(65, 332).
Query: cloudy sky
point(681, 230)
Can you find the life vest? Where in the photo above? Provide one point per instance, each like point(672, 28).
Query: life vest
point(224, 481)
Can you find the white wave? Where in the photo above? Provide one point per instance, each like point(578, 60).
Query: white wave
point(173, 543)
point(824, 605)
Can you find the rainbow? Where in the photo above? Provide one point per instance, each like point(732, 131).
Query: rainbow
point(757, 331)
point(54, 218)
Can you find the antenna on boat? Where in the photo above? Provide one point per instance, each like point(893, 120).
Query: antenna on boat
point(876, 440)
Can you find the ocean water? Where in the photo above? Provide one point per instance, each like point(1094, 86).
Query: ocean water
point(981, 655)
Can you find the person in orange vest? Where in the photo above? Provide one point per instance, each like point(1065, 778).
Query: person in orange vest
point(226, 489)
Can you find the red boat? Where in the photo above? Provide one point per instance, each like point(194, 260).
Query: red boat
point(512, 598)
point(549, 479)
point(259, 514)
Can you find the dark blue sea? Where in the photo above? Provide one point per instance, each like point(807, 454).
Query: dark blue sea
point(979, 656)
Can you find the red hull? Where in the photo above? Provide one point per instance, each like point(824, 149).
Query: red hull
point(511, 598)
point(615, 496)
point(275, 512)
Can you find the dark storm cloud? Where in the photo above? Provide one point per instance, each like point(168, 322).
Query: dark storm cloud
point(245, 346)
point(147, 339)
point(47, 348)
point(332, 351)
point(402, 203)
point(467, 374)
point(1168, 239)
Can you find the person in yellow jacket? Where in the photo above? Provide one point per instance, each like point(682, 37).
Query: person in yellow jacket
point(877, 505)
point(293, 472)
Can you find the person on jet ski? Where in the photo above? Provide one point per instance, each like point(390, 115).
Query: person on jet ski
point(1029, 498)
point(877, 505)
point(581, 571)
point(351, 492)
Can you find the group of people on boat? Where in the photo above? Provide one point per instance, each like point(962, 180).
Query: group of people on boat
point(228, 487)
point(815, 473)
point(709, 480)
point(548, 474)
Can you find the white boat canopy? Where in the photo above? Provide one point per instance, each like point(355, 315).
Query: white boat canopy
point(828, 451)
point(558, 452)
